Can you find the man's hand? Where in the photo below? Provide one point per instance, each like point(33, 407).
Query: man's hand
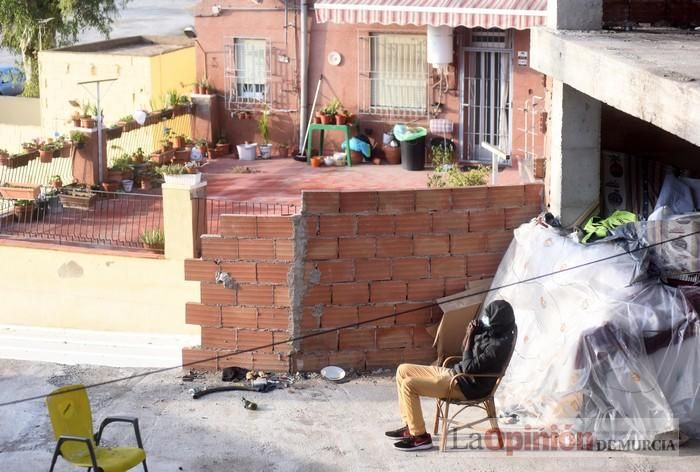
point(469, 335)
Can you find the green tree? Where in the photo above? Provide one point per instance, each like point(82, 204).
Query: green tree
point(21, 27)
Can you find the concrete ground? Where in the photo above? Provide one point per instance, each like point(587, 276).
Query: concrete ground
point(312, 426)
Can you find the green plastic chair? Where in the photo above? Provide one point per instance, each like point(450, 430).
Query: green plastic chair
point(71, 420)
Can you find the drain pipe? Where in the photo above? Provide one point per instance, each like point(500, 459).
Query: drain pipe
point(303, 72)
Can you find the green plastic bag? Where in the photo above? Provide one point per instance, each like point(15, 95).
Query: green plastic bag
point(407, 133)
point(599, 227)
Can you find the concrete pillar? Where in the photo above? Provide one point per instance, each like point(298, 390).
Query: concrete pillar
point(85, 163)
point(206, 123)
point(181, 219)
point(575, 14)
point(574, 170)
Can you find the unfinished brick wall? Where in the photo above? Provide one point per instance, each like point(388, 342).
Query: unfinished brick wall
point(256, 251)
point(680, 13)
point(372, 254)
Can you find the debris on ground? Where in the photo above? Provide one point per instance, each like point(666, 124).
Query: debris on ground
point(248, 405)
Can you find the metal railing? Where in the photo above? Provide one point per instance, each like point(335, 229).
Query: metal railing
point(210, 209)
point(90, 218)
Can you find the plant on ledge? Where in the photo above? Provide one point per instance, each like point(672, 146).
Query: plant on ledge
point(153, 239)
point(264, 129)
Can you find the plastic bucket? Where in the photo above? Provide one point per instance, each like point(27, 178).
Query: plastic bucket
point(246, 152)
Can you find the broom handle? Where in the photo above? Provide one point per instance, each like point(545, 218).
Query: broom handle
point(308, 122)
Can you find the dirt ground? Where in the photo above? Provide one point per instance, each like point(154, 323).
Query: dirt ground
point(313, 425)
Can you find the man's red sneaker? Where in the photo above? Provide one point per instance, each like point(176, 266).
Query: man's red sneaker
point(414, 443)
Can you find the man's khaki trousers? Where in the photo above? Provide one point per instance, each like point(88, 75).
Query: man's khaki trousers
point(414, 381)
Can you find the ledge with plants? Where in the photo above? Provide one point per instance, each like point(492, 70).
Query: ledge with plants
point(153, 239)
point(14, 191)
point(187, 174)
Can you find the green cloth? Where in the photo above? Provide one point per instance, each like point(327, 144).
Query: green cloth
point(599, 227)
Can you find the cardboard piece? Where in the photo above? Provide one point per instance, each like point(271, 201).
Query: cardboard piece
point(458, 311)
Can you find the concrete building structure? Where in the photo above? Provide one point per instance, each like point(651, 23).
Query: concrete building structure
point(641, 82)
point(146, 68)
point(488, 91)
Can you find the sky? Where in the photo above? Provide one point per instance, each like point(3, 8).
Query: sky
point(148, 17)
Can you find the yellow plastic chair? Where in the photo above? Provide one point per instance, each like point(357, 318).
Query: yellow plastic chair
point(486, 403)
point(71, 420)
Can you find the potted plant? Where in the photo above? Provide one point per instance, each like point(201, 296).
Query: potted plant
point(46, 151)
point(196, 89)
point(178, 174)
point(17, 160)
point(153, 239)
point(128, 123)
point(114, 131)
point(11, 191)
point(77, 139)
point(87, 118)
point(222, 144)
point(4, 157)
point(204, 86)
point(145, 180)
point(121, 169)
point(110, 185)
point(138, 156)
point(23, 210)
point(283, 150)
point(56, 182)
point(75, 118)
point(77, 196)
point(264, 129)
point(178, 140)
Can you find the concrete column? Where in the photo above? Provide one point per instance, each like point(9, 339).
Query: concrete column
point(181, 218)
point(574, 171)
point(575, 14)
point(206, 123)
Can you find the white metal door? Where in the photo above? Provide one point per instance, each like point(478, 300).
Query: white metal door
point(486, 102)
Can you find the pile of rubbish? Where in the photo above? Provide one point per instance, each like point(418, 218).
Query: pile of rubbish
point(608, 332)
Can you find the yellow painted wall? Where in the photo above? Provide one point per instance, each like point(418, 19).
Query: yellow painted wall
point(175, 70)
point(72, 289)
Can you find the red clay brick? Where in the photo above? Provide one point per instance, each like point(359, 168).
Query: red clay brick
point(202, 315)
point(391, 291)
point(249, 339)
point(375, 224)
point(222, 338)
point(413, 314)
point(504, 196)
point(241, 271)
point(239, 317)
point(487, 220)
point(255, 295)
point(414, 223)
point(322, 342)
point(200, 271)
point(197, 358)
point(337, 225)
point(421, 338)
point(426, 289)
point(273, 318)
point(211, 294)
point(433, 199)
point(431, 245)
point(256, 249)
point(281, 295)
point(534, 195)
point(357, 339)
point(271, 362)
point(274, 227)
point(284, 249)
point(322, 249)
point(282, 345)
point(317, 295)
point(359, 202)
point(334, 316)
point(317, 202)
point(238, 226)
point(409, 269)
point(235, 359)
point(384, 358)
point(394, 337)
point(465, 243)
point(336, 271)
point(498, 242)
point(357, 247)
point(467, 198)
point(372, 269)
point(310, 225)
point(450, 266)
point(514, 217)
point(219, 248)
point(309, 322)
point(399, 246)
point(371, 312)
point(307, 362)
point(483, 264)
point(451, 222)
point(348, 359)
point(455, 285)
point(397, 201)
point(350, 294)
point(272, 272)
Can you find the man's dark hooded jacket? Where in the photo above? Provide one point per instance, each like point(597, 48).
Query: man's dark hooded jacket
point(489, 350)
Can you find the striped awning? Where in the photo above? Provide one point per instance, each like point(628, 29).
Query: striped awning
point(503, 14)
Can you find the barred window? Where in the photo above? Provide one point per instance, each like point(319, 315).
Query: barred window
point(247, 72)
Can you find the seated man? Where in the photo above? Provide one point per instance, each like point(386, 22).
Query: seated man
point(487, 344)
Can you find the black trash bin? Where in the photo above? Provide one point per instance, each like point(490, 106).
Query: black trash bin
point(413, 154)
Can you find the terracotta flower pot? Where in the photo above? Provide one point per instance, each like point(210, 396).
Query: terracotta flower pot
point(326, 119)
point(316, 161)
point(340, 119)
point(87, 122)
point(76, 122)
point(356, 157)
point(45, 156)
point(222, 148)
point(196, 89)
point(110, 186)
point(317, 120)
point(283, 151)
point(392, 154)
point(178, 142)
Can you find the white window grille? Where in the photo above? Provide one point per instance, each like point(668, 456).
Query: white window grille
point(247, 72)
point(393, 78)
